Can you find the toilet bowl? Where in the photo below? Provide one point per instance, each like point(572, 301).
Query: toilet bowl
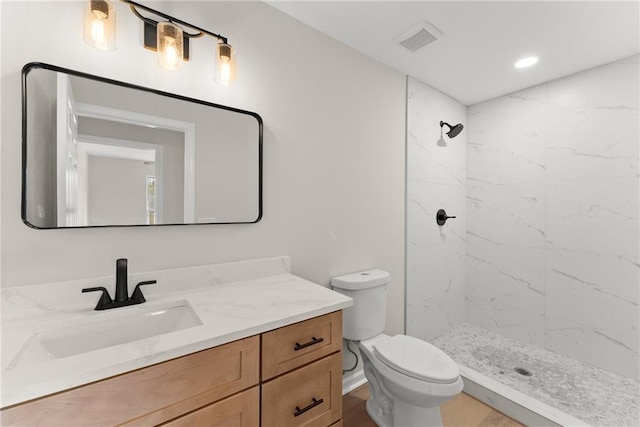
point(408, 378)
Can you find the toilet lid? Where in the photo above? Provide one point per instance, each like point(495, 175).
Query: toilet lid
point(417, 359)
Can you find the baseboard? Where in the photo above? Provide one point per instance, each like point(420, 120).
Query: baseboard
point(352, 380)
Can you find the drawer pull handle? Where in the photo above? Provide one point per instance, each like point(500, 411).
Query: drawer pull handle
point(313, 341)
point(315, 402)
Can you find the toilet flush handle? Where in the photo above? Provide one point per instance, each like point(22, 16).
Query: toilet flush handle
point(441, 217)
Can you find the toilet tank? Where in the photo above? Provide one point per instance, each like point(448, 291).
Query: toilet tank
point(366, 317)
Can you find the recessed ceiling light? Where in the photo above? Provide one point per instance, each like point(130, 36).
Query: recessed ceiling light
point(526, 62)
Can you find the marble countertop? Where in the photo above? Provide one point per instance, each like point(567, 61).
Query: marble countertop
point(232, 300)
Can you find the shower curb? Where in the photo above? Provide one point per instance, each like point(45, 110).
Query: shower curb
point(513, 403)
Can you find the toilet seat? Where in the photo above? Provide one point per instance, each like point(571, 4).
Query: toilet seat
point(417, 359)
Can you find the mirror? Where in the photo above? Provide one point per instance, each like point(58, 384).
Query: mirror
point(98, 152)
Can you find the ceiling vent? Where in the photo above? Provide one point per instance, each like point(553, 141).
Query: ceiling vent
point(419, 36)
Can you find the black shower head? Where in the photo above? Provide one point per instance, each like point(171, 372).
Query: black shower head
point(453, 130)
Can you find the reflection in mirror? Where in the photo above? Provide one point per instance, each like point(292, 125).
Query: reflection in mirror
point(97, 152)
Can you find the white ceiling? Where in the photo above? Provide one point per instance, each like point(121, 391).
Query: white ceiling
point(482, 40)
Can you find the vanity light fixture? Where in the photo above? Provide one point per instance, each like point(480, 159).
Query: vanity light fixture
point(170, 38)
point(100, 24)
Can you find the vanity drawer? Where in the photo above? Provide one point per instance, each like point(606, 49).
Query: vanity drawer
point(151, 395)
point(310, 396)
point(295, 345)
point(240, 410)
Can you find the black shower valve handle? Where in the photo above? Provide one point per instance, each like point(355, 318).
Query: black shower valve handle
point(442, 217)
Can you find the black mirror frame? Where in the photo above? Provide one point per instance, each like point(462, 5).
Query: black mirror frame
point(40, 65)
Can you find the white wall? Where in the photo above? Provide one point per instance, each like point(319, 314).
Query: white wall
point(436, 179)
point(333, 147)
point(553, 254)
point(1, 155)
point(117, 190)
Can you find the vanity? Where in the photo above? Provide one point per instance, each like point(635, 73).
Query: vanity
point(251, 344)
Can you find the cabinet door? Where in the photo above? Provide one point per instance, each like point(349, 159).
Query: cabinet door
point(296, 345)
point(148, 396)
point(310, 396)
point(240, 410)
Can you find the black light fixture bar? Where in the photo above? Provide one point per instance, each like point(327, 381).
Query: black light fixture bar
point(175, 20)
point(150, 28)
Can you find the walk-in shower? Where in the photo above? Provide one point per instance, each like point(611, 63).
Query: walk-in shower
point(533, 290)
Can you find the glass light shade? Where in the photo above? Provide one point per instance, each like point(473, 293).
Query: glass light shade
point(100, 24)
point(170, 46)
point(225, 64)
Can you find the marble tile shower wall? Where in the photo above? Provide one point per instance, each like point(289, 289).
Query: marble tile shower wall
point(436, 178)
point(553, 216)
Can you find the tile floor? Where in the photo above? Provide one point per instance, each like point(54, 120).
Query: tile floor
point(593, 395)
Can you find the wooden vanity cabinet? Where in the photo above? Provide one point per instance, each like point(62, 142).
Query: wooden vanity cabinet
point(239, 410)
point(310, 396)
point(295, 345)
point(302, 373)
point(148, 396)
point(219, 387)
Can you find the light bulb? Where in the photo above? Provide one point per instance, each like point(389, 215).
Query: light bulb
point(170, 46)
point(97, 31)
point(171, 54)
point(100, 25)
point(225, 72)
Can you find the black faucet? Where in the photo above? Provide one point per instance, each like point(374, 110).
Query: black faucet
point(122, 292)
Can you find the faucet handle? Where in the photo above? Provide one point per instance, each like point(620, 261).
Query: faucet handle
point(104, 300)
point(137, 293)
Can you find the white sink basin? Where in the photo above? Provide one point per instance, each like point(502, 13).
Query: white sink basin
point(121, 326)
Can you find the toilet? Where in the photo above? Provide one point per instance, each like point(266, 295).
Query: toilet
point(408, 378)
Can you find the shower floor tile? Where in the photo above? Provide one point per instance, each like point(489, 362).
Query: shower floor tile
point(593, 395)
